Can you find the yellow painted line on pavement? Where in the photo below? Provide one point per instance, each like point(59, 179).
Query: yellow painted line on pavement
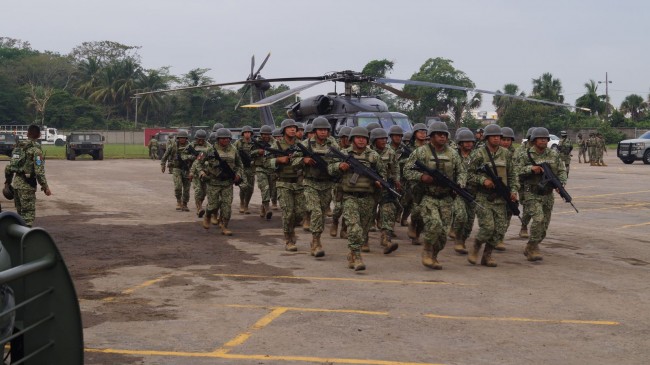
point(636, 225)
point(287, 277)
point(320, 360)
point(244, 336)
point(518, 319)
point(603, 208)
point(140, 286)
point(611, 194)
point(300, 309)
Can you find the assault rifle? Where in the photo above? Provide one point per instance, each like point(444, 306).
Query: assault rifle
point(245, 158)
point(442, 179)
point(361, 169)
point(502, 190)
point(548, 177)
point(226, 170)
point(274, 151)
point(321, 164)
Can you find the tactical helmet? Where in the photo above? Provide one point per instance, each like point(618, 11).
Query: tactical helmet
point(465, 135)
point(540, 132)
point(396, 130)
point(277, 132)
point(378, 133)
point(407, 136)
point(359, 132)
point(8, 192)
point(216, 126)
point(563, 133)
point(419, 127)
point(438, 127)
point(200, 134)
point(309, 128)
point(529, 132)
point(287, 123)
point(266, 129)
point(492, 130)
point(507, 132)
point(345, 132)
point(223, 133)
point(372, 126)
point(300, 126)
point(321, 123)
point(182, 134)
point(458, 132)
point(213, 137)
point(247, 128)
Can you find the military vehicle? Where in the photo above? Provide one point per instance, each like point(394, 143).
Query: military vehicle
point(631, 150)
point(7, 143)
point(162, 138)
point(80, 143)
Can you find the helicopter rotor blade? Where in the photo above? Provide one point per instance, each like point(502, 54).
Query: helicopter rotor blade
point(241, 98)
point(283, 95)
point(462, 88)
point(250, 76)
point(261, 66)
point(395, 91)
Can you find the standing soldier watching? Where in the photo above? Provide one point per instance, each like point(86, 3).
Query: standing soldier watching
point(416, 190)
point(317, 182)
point(564, 147)
point(25, 169)
point(290, 191)
point(358, 193)
point(464, 213)
point(387, 202)
point(180, 161)
point(591, 149)
point(600, 150)
point(539, 200)
point(492, 217)
point(199, 145)
point(219, 182)
point(265, 180)
point(435, 206)
point(153, 148)
point(344, 135)
point(582, 144)
point(247, 186)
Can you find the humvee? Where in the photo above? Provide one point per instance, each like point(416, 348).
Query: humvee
point(80, 143)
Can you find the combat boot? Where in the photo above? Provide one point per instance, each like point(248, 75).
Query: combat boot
point(206, 220)
point(224, 228)
point(473, 254)
point(316, 247)
point(427, 255)
point(351, 260)
point(459, 247)
point(242, 207)
point(487, 259)
point(268, 213)
point(603, 163)
point(434, 258)
point(344, 229)
point(246, 211)
point(328, 211)
point(274, 205)
point(365, 247)
point(184, 207)
point(199, 210)
point(306, 222)
point(386, 242)
point(288, 243)
point(412, 231)
point(501, 246)
point(179, 205)
point(532, 252)
point(358, 262)
point(405, 216)
point(215, 219)
point(523, 233)
point(334, 229)
point(263, 210)
point(452, 233)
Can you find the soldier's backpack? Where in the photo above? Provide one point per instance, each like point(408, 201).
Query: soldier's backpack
point(18, 159)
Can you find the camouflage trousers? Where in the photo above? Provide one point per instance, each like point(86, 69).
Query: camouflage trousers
point(25, 200)
point(492, 220)
point(358, 215)
point(153, 153)
point(436, 217)
point(407, 198)
point(265, 183)
point(540, 208)
point(181, 185)
point(274, 188)
point(337, 194)
point(247, 185)
point(463, 220)
point(220, 200)
point(525, 208)
point(317, 201)
point(387, 215)
point(200, 190)
point(582, 155)
point(292, 199)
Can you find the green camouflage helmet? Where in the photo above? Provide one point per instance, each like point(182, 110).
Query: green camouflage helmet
point(217, 126)
point(396, 130)
point(345, 132)
point(377, 133)
point(309, 128)
point(507, 132)
point(370, 127)
point(539, 132)
point(419, 127)
point(492, 130)
point(182, 134)
point(458, 131)
point(287, 123)
point(213, 137)
point(321, 123)
point(465, 135)
point(223, 133)
point(200, 134)
point(438, 127)
point(359, 132)
point(300, 126)
point(529, 132)
point(266, 129)
point(277, 132)
point(247, 128)
point(407, 137)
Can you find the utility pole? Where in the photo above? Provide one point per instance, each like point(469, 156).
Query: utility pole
point(607, 82)
point(136, 110)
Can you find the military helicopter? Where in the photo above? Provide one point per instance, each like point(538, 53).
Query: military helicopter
point(346, 109)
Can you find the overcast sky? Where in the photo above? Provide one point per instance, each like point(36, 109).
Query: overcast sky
point(493, 42)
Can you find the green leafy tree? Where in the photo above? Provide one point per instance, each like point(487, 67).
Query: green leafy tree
point(105, 52)
point(548, 88)
point(502, 103)
point(376, 68)
point(591, 99)
point(72, 112)
point(635, 106)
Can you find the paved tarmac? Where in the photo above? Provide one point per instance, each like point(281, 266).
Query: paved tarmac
point(156, 288)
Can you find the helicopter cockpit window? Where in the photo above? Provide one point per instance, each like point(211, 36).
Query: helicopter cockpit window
point(385, 123)
point(404, 123)
point(364, 121)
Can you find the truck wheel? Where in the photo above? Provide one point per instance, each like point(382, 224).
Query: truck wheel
point(100, 154)
point(59, 142)
point(628, 162)
point(646, 157)
point(72, 155)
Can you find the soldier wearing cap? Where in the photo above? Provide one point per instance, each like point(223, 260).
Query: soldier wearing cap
point(180, 160)
point(435, 204)
point(247, 186)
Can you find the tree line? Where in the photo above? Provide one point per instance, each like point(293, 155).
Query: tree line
point(93, 87)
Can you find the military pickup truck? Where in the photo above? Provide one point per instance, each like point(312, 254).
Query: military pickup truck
point(7, 143)
point(631, 150)
point(80, 143)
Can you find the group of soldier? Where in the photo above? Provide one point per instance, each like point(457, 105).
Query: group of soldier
point(593, 147)
point(376, 178)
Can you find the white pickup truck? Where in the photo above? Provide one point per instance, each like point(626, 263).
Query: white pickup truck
point(631, 150)
point(48, 135)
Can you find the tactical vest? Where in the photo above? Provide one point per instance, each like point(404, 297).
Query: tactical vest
point(385, 156)
point(445, 165)
point(286, 172)
point(500, 161)
point(354, 183)
point(313, 172)
point(228, 155)
point(19, 161)
point(531, 182)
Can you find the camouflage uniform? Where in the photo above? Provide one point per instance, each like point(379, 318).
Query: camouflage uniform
point(415, 191)
point(435, 206)
point(180, 161)
point(591, 149)
point(247, 185)
point(153, 148)
point(219, 187)
point(387, 202)
point(463, 212)
point(600, 150)
point(493, 216)
point(538, 200)
point(200, 187)
point(265, 181)
point(28, 172)
point(564, 147)
point(582, 155)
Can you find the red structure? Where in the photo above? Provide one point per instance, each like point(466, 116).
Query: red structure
point(148, 132)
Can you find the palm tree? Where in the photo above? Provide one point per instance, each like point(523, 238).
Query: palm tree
point(461, 104)
point(591, 99)
point(151, 80)
point(635, 106)
point(548, 88)
point(87, 77)
point(502, 103)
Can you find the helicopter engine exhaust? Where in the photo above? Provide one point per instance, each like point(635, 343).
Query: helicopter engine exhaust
point(318, 105)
